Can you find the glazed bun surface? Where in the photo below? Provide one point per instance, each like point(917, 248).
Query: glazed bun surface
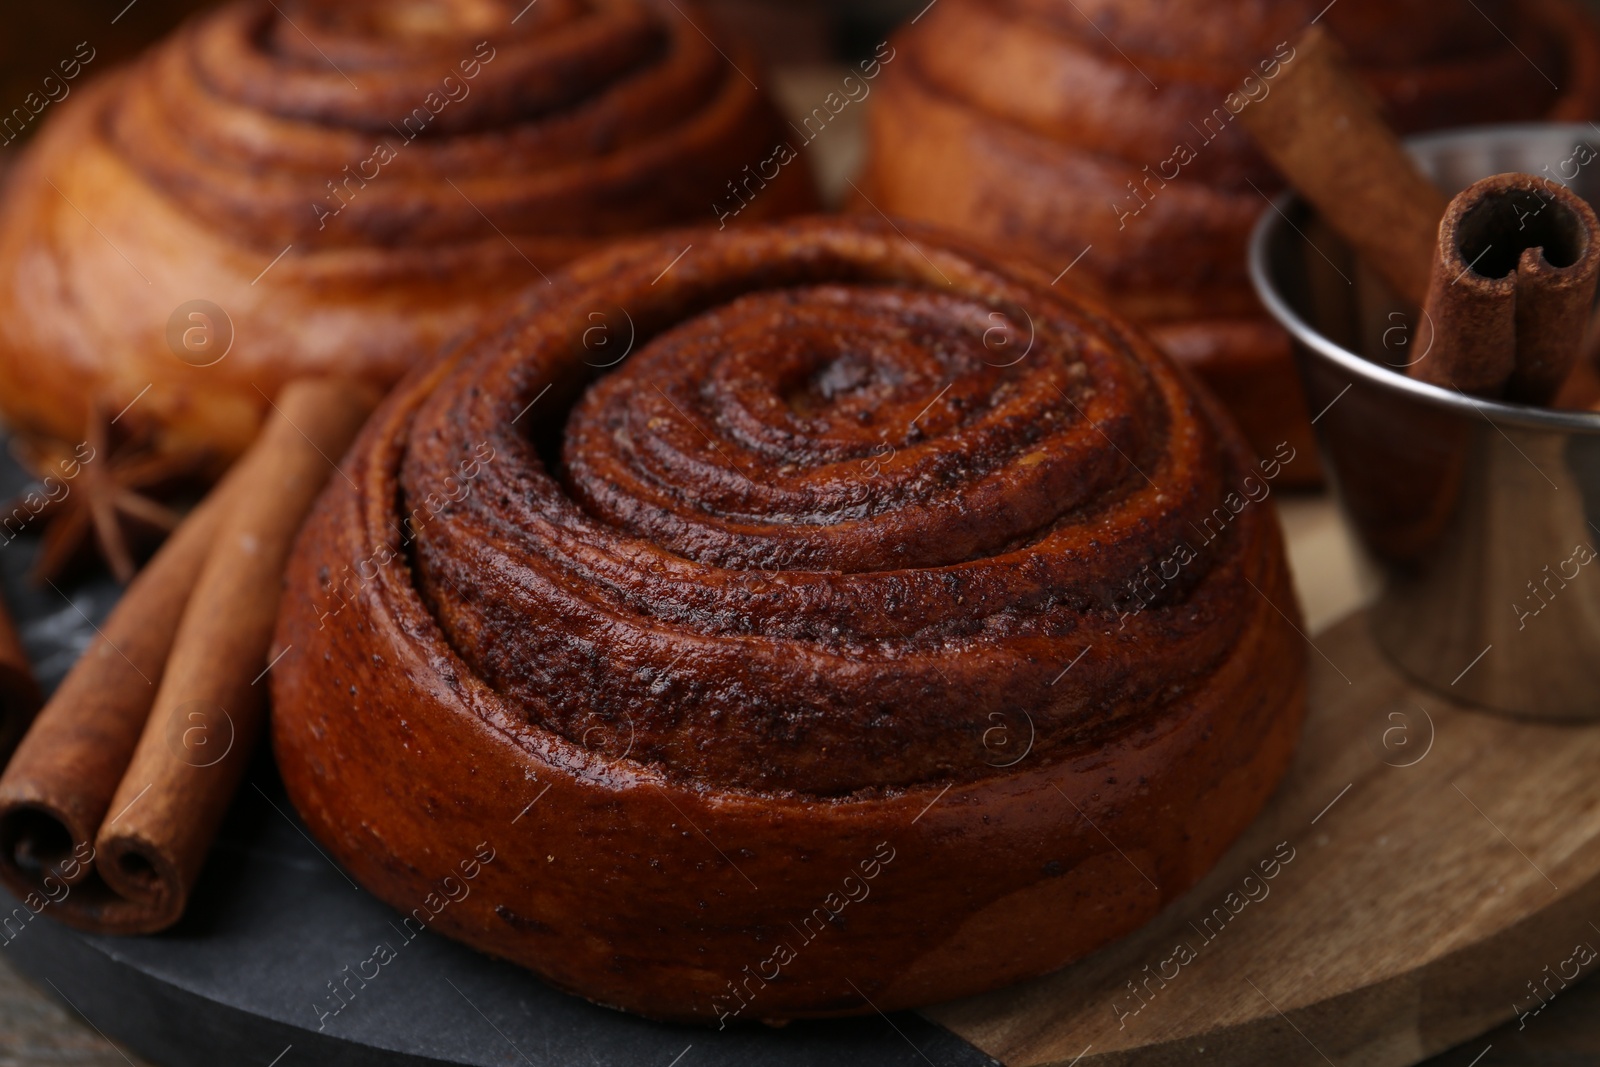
point(865, 543)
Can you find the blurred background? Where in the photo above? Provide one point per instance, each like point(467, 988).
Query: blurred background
point(802, 41)
point(788, 32)
point(803, 32)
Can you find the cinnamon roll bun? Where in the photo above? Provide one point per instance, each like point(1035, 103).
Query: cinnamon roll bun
point(885, 627)
point(295, 187)
point(1106, 130)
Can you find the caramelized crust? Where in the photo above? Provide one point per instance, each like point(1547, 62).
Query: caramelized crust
point(865, 544)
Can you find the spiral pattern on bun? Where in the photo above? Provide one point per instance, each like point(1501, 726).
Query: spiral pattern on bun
point(857, 524)
point(346, 185)
point(1103, 135)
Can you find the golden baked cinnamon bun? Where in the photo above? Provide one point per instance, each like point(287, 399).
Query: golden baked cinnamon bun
point(887, 626)
point(288, 188)
point(1106, 130)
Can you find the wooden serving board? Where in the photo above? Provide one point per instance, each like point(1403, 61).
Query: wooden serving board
point(1446, 865)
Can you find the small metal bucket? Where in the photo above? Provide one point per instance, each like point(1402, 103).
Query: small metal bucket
point(1482, 516)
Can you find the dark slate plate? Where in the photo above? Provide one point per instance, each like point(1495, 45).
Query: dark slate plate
point(245, 977)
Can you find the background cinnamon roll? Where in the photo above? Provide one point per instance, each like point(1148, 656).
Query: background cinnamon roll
point(1106, 129)
point(886, 626)
point(292, 188)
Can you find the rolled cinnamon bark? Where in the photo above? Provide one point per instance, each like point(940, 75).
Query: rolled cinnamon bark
point(1512, 284)
point(1324, 132)
point(209, 707)
point(1556, 278)
point(57, 790)
point(19, 694)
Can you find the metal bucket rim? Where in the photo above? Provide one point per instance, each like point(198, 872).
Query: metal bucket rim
point(1497, 411)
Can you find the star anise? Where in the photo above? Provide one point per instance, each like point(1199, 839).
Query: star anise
point(102, 489)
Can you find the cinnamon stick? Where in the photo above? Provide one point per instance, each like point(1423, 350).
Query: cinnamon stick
point(1324, 131)
point(210, 706)
point(1505, 272)
point(19, 694)
point(111, 803)
point(57, 789)
point(1513, 279)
